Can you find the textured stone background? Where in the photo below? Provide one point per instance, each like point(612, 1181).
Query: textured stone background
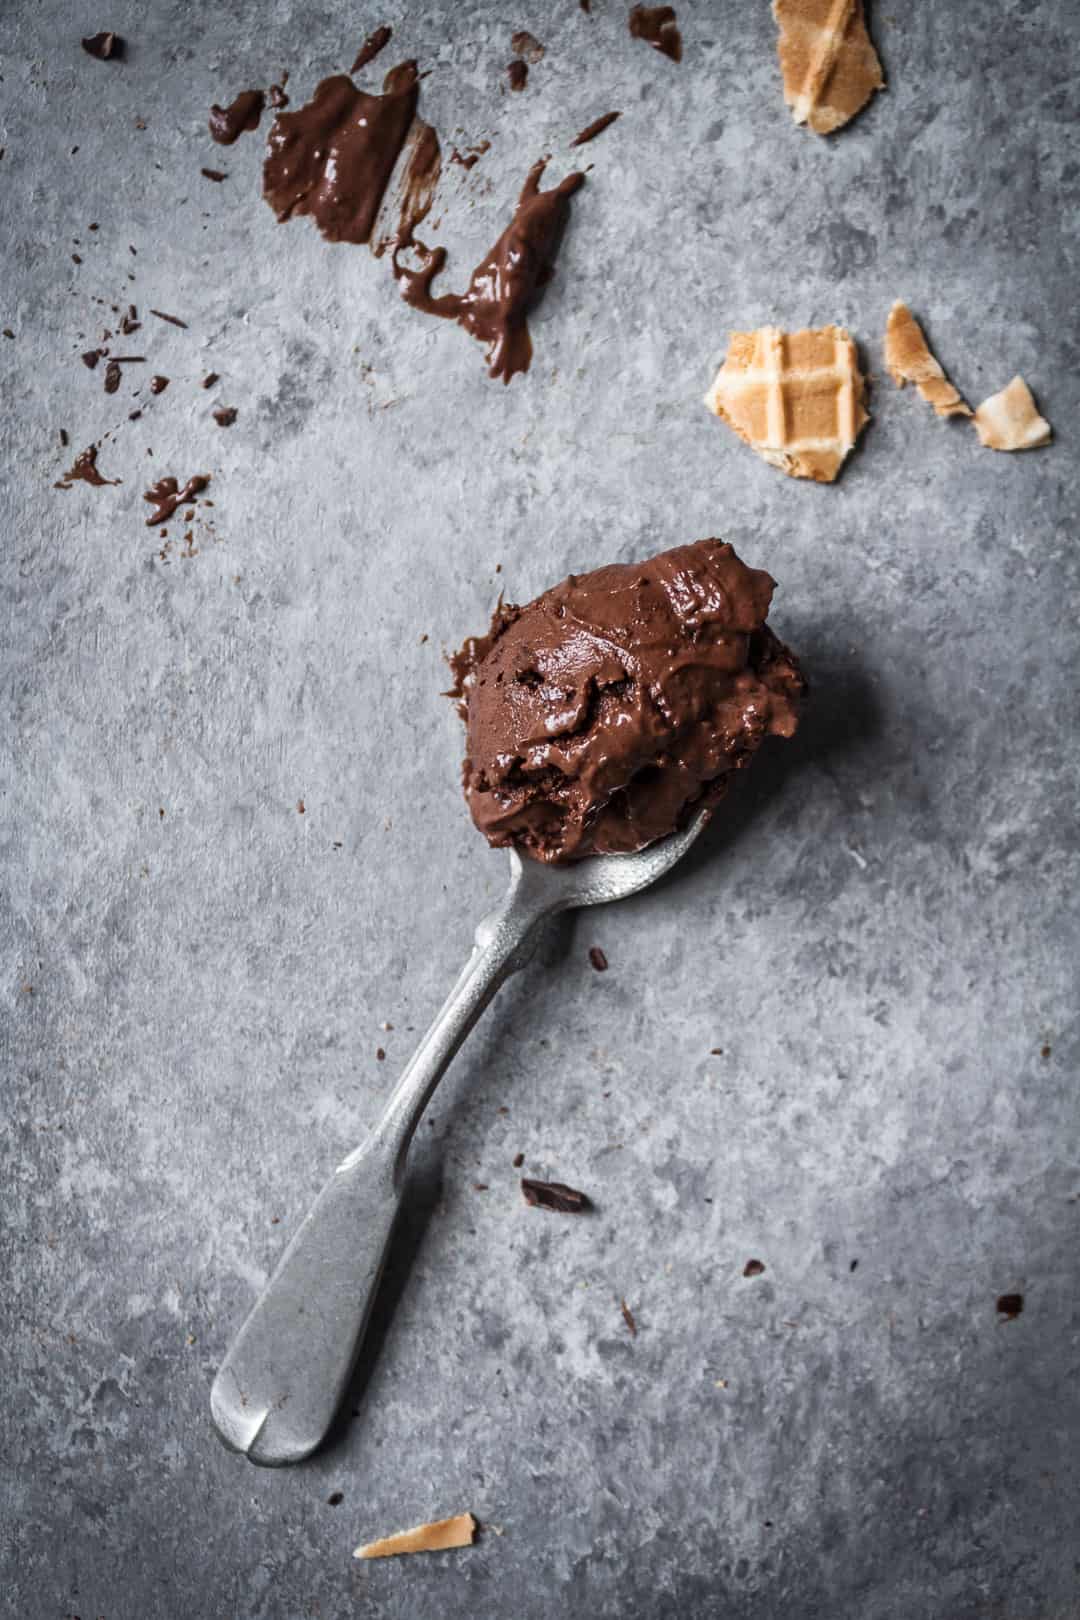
point(880, 932)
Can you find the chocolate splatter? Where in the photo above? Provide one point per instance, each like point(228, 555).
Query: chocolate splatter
point(753, 1268)
point(506, 285)
point(371, 47)
point(554, 1195)
point(166, 495)
point(173, 320)
point(85, 469)
point(517, 72)
point(656, 25)
point(158, 384)
point(225, 415)
point(1010, 1306)
point(227, 124)
point(214, 174)
point(597, 127)
point(598, 959)
point(105, 47)
point(628, 1318)
point(333, 158)
point(527, 45)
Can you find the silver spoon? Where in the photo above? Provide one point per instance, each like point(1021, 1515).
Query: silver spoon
point(277, 1390)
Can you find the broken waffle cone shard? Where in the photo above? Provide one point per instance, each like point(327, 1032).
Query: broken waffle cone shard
point(827, 59)
point(908, 358)
point(794, 397)
point(437, 1537)
point(1010, 420)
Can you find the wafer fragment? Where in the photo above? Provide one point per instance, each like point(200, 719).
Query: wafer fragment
point(1010, 420)
point(437, 1537)
point(794, 397)
point(828, 61)
point(908, 357)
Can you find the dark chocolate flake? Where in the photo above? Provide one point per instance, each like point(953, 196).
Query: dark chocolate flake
point(1010, 1306)
point(106, 46)
point(753, 1268)
point(173, 320)
point(554, 1195)
point(598, 959)
point(225, 415)
point(628, 1318)
point(214, 174)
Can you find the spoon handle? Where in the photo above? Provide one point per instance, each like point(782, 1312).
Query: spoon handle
point(277, 1390)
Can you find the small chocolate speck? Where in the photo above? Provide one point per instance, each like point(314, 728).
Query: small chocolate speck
point(106, 46)
point(371, 47)
point(853, 1266)
point(92, 227)
point(75, 259)
point(210, 379)
point(225, 415)
point(480, 1186)
point(517, 73)
point(555, 1196)
point(518, 1160)
point(753, 1268)
point(1044, 1051)
point(335, 1498)
point(158, 385)
point(1010, 1306)
point(301, 807)
point(716, 1051)
point(277, 96)
point(133, 416)
point(380, 1055)
point(598, 959)
point(527, 45)
point(628, 1318)
point(214, 174)
point(173, 320)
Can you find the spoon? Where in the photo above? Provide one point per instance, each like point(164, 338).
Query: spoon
point(277, 1390)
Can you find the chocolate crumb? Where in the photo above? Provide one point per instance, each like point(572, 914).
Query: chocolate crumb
point(656, 25)
point(1010, 1306)
point(1044, 1052)
point(301, 807)
point(112, 377)
point(518, 74)
point(336, 1497)
point(371, 47)
point(598, 959)
point(173, 320)
point(158, 385)
point(225, 415)
point(8, 333)
point(91, 357)
point(380, 1055)
point(753, 1268)
point(214, 174)
point(130, 322)
point(527, 45)
point(89, 227)
point(210, 379)
point(853, 1265)
point(275, 1220)
point(518, 1160)
point(75, 259)
point(628, 1318)
point(105, 46)
point(480, 1186)
point(554, 1195)
point(597, 127)
point(133, 416)
point(63, 436)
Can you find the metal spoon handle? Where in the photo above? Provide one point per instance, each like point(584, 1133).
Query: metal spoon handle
point(277, 1390)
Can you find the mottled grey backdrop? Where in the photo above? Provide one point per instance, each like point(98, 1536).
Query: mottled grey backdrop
point(880, 933)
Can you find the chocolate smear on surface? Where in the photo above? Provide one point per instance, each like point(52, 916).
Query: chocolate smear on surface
point(1010, 1306)
point(628, 1318)
point(465, 663)
point(517, 73)
point(225, 415)
point(753, 1268)
point(173, 320)
point(166, 495)
point(656, 25)
point(371, 47)
point(158, 384)
point(333, 158)
point(527, 45)
point(106, 47)
point(213, 174)
point(85, 469)
point(422, 170)
point(554, 1195)
point(506, 285)
point(598, 959)
point(597, 127)
point(227, 124)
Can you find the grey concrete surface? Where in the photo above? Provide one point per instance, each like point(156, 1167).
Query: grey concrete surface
point(880, 934)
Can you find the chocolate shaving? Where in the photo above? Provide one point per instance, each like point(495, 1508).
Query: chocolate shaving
point(166, 495)
point(371, 47)
point(628, 1318)
point(554, 1195)
point(598, 959)
point(104, 46)
point(656, 25)
point(597, 127)
point(173, 320)
point(214, 174)
point(1010, 1306)
point(63, 437)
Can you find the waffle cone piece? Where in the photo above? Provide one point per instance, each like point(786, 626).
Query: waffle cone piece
point(908, 358)
point(1010, 420)
point(828, 61)
point(438, 1537)
point(795, 397)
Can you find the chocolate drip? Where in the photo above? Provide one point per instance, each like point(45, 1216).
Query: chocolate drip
point(227, 124)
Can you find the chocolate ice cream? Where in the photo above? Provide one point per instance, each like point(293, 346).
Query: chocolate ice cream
point(601, 714)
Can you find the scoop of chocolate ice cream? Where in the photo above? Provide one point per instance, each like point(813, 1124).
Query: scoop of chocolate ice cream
point(599, 715)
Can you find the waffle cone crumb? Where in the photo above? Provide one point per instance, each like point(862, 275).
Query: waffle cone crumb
point(436, 1537)
point(1010, 420)
point(908, 358)
point(828, 61)
point(794, 397)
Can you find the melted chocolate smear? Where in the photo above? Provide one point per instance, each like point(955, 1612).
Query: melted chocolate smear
point(422, 173)
point(227, 124)
point(213, 174)
point(105, 46)
point(225, 415)
point(527, 45)
point(475, 153)
point(158, 385)
point(518, 75)
point(277, 97)
point(597, 127)
point(554, 1195)
point(371, 47)
point(173, 320)
point(333, 158)
point(166, 495)
point(656, 25)
point(86, 470)
point(505, 287)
